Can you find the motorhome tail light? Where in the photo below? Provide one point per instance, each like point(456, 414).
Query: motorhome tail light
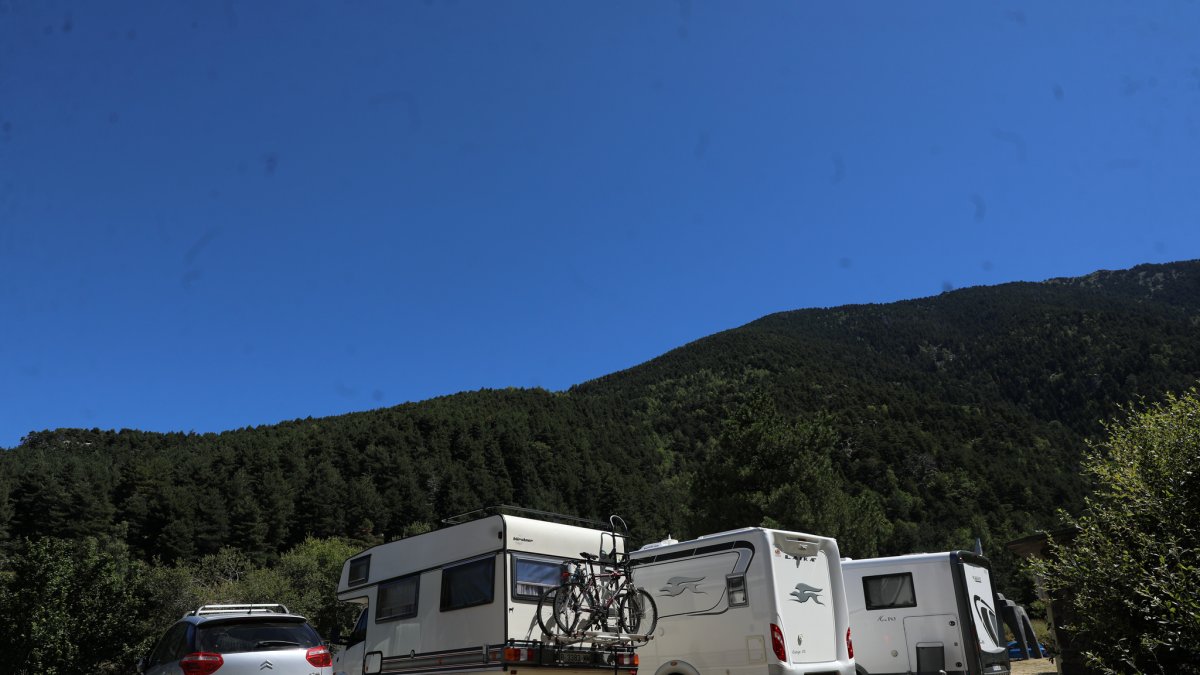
point(849, 644)
point(319, 656)
point(201, 663)
point(627, 660)
point(515, 654)
point(777, 643)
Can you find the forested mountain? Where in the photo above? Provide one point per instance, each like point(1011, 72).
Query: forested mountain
point(916, 425)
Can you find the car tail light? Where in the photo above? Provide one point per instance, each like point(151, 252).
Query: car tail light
point(777, 644)
point(201, 663)
point(849, 644)
point(319, 656)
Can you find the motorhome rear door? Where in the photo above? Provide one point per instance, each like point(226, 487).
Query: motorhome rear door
point(980, 602)
point(805, 599)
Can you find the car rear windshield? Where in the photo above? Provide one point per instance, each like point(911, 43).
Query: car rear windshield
point(225, 637)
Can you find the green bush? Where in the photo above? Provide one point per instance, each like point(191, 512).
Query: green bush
point(1132, 572)
point(88, 606)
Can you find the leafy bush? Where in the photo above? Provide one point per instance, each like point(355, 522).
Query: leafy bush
point(1132, 571)
point(88, 606)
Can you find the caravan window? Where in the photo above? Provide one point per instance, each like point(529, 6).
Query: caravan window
point(469, 584)
point(889, 591)
point(360, 570)
point(532, 576)
point(398, 598)
point(736, 589)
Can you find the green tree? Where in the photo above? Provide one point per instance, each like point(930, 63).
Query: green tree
point(312, 570)
point(67, 607)
point(248, 528)
point(768, 470)
point(1133, 570)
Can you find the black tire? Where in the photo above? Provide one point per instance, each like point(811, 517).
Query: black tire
point(637, 613)
point(545, 611)
point(572, 607)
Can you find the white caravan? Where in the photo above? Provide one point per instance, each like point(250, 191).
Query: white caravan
point(925, 613)
point(464, 598)
point(746, 602)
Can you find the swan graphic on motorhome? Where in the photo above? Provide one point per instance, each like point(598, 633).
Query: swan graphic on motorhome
point(804, 593)
point(677, 585)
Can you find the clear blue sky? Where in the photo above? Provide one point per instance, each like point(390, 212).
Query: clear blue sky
point(222, 214)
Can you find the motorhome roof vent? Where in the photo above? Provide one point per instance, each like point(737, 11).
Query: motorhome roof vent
point(659, 544)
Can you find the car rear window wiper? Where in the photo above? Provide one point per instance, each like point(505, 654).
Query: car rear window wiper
point(275, 643)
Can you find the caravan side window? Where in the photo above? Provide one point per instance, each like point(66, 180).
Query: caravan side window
point(889, 591)
point(532, 576)
point(397, 599)
point(736, 588)
point(360, 570)
point(469, 584)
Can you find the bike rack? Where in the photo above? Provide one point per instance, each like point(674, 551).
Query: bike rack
point(600, 638)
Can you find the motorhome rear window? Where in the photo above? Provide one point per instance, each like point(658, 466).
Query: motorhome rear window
point(889, 591)
point(469, 584)
point(398, 598)
point(531, 577)
point(360, 570)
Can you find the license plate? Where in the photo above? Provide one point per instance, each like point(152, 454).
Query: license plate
point(576, 657)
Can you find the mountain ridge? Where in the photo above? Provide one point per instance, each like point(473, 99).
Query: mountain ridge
point(924, 423)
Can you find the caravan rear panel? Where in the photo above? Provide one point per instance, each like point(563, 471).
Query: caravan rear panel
point(804, 586)
point(746, 602)
point(924, 613)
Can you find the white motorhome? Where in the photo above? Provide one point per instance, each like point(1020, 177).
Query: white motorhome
point(925, 613)
point(746, 602)
point(464, 598)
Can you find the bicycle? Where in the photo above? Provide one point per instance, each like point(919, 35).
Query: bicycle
point(598, 592)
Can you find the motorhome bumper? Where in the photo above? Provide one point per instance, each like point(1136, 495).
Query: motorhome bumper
point(834, 668)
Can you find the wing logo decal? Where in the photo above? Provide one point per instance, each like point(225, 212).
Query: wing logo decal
point(804, 593)
point(677, 585)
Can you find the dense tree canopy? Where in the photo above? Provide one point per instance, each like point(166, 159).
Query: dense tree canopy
point(1132, 571)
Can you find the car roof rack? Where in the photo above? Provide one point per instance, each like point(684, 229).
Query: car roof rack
point(273, 608)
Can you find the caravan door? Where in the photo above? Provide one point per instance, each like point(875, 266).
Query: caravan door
point(981, 606)
point(349, 659)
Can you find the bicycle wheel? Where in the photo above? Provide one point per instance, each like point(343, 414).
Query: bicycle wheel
point(572, 607)
point(545, 611)
point(637, 612)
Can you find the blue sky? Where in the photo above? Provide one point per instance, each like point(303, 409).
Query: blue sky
point(225, 214)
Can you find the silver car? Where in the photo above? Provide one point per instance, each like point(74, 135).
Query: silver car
point(239, 640)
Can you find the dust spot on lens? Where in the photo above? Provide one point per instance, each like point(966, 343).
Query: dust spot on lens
point(980, 208)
